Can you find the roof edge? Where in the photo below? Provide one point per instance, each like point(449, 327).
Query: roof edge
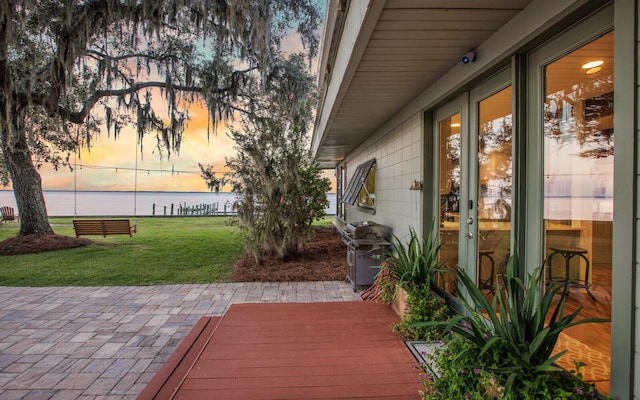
point(351, 31)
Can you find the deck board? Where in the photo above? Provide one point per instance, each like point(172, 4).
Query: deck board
point(170, 376)
point(302, 350)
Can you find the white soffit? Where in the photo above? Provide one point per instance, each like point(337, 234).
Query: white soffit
point(389, 53)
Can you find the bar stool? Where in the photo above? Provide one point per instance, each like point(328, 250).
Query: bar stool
point(568, 253)
point(487, 283)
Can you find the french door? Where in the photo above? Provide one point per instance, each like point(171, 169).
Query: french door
point(474, 162)
point(451, 145)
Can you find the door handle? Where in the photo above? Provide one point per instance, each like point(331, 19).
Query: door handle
point(469, 235)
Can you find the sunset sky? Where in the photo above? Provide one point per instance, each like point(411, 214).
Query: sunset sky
point(111, 164)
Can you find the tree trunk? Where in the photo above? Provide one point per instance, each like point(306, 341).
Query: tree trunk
point(27, 185)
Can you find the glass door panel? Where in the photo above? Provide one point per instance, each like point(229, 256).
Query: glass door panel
point(449, 157)
point(494, 183)
point(578, 172)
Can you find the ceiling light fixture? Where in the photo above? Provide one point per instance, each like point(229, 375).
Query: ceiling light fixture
point(592, 64)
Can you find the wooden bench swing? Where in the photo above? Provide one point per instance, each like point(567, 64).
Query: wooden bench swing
point(104, 227)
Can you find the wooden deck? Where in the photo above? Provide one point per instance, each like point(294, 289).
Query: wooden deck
point(343, 350)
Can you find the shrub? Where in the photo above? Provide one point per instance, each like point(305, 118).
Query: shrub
point(422, 305)
point(413, 267)
point(520, 319)
point(515, 337)
point(414, 264)
point(453, 372)
point(458, 371)
point(280, 187)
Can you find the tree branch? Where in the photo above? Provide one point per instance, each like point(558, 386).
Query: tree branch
point(155, 57)
point(77, 117)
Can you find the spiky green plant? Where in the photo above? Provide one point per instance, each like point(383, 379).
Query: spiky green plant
point(413, 267)
point(416, 263)
point(521, 322)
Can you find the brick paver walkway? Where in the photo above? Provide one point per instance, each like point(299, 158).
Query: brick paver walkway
point(108, 342)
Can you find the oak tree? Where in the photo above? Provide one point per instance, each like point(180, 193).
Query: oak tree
point(68, 67)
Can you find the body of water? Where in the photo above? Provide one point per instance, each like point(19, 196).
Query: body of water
point(115, 203)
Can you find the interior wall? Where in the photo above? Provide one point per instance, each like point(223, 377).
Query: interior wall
point(398, 157)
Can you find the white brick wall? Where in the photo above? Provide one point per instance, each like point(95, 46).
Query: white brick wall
point(398, 157)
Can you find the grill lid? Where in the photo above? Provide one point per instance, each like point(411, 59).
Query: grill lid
point(360, 224)
point(365, 230)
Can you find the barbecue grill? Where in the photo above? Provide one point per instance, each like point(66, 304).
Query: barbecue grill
point(366, 241)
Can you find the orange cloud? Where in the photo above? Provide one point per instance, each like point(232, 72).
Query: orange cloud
point(110, 163)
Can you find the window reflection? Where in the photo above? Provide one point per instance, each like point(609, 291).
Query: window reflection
point(494, 187)
point(578, 192)
point(367, 194)
point(449, 189)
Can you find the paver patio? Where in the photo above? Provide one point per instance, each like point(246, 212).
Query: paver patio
point(108, 342)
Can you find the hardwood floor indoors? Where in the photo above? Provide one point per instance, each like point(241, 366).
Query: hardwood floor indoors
point(590, 343)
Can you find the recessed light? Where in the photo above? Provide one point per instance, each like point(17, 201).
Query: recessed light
point(455, 125)
point(593, 70)
point(592, 64)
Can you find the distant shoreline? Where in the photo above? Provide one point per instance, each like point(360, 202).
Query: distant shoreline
point(61, 202)
point(128, 191)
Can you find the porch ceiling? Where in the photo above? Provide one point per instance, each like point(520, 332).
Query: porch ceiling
point(412, 44)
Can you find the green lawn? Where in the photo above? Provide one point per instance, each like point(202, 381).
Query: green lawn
point(165, 250)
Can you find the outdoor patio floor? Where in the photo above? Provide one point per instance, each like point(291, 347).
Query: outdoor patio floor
point(337, 350)
point(72, 343)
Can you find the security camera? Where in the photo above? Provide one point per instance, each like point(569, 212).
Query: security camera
point(469, 57)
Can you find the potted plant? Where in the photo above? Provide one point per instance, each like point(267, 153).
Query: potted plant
point(508, 343)
point(405, 280)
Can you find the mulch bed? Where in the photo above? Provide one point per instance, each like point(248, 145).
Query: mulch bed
point(39, 243)
point(323, 259)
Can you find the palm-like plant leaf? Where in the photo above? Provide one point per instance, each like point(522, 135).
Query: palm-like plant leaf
point(415, 263)
point(521, 323)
